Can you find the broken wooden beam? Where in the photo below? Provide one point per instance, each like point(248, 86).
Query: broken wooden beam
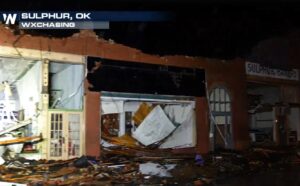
point(21, 140)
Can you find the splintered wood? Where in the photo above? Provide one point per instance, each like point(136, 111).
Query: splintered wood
point(124, 140)
point(69, 172)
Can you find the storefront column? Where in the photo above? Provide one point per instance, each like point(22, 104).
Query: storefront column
point(202, 124)
point(92, 124)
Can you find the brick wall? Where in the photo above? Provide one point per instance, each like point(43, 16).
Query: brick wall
point(230, 74)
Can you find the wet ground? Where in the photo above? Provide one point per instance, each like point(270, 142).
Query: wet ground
point(289, 176)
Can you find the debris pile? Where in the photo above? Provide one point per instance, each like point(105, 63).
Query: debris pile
point(138, 170)
point(88, 171)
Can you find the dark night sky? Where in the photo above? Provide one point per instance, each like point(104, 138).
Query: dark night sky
point(213, 31)
point(210, 28)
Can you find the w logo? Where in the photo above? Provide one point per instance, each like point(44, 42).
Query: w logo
point(9, 18)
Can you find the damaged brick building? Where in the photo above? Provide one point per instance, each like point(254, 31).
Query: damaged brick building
point(62, 105)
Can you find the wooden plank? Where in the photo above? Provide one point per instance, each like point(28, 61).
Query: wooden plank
point(20, 140)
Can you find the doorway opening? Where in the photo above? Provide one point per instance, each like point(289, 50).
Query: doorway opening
point(221, 125)
point(267, 114)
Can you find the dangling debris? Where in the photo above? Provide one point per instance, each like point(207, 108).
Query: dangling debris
point(155, 127)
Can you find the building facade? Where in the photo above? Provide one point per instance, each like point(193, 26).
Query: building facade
point(69, 115)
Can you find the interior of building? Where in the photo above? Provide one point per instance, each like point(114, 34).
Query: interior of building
point(145, 120)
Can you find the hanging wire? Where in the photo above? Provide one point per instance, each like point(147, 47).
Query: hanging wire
point(67, 99)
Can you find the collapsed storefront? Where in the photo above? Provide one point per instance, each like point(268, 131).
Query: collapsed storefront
point(20, 96)
point(145, 105)
point(273, 108)
point(27, 119)
point(71, 111)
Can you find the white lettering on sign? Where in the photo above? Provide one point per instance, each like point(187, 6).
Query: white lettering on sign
point(263, 71)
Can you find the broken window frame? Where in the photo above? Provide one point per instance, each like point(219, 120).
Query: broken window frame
point(148, 98)
point(77, 88)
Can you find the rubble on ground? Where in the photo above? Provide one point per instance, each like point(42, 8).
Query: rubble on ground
point(142, 157)
point(142, 170)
